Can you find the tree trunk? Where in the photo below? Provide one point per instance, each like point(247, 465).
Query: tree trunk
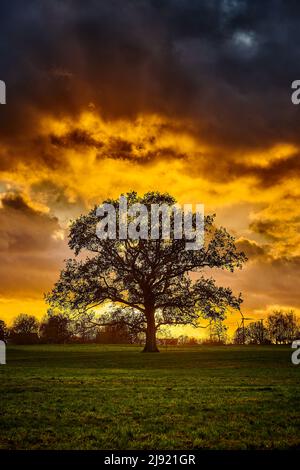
point(150, 345)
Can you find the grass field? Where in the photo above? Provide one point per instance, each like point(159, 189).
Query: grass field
point(114, 397)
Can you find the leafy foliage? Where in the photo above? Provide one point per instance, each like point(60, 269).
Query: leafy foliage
point(55, 328)
point(24, 329)
point(148, 276)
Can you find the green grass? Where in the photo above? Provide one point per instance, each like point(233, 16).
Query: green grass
point(114, 397)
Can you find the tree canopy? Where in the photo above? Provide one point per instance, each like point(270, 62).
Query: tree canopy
point(25, 329)
point(149, 277)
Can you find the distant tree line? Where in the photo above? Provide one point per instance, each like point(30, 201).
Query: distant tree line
point(280, 327)
point(58, 328)
point(119, 328)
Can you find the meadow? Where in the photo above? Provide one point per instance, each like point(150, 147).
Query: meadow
point(115, 397)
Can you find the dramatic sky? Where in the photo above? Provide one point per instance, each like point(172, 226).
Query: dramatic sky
point(191, 97)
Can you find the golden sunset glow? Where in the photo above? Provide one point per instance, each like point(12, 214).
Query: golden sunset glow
point(103, 103)
point(95, 158)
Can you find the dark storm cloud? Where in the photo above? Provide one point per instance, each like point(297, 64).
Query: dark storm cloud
point(23, 228)
point(143, 152)
point(252, 249)
point(30, 250)
point(266, 176)
point(288, 168)
point(269, 228)
point(17, 203)
point(226, 64)
point(75, 138)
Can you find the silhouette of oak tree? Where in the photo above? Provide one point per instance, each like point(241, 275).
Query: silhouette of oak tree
point(149, 277)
